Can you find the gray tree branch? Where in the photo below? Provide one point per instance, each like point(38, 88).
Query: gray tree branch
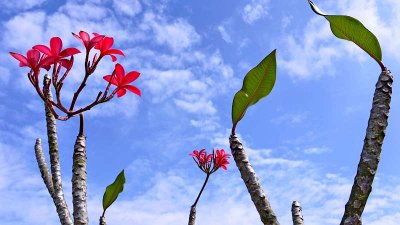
point(58, 196)
point(297, 214)
point(192, 215)
point(79, 179)
point(44, 170)
point(370, 154)
point(252, 183)
point(102, 220)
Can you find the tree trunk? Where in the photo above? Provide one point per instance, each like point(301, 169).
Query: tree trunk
point(297, 214)
point(58, 196)
point(370, 154)
point(252, 183)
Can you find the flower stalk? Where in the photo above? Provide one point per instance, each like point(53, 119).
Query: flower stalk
point(192, 215)
point(208, 163)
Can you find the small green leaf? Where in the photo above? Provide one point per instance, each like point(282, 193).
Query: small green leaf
point(257, 84)
point(349, 28)
point(113, 190)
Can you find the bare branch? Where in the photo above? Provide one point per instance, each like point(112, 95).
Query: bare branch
point(58, 197)
point(192, 215)
point(372, 148)
point(102, 220)
point(79, 179)
point(44, 170)
point(297, 214)
point(252, 182)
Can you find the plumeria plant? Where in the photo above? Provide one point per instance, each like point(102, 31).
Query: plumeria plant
point(208, 163)
point(350, 29)
point(259, 82)
point(54, 64)
point(43, 60)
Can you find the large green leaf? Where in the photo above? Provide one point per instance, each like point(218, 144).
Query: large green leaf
point(113, 190)
point(257, 84)
point(349, 28)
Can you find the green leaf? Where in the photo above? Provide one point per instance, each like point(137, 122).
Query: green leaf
point(257, 84)
point(349, 28)
point(113, 190)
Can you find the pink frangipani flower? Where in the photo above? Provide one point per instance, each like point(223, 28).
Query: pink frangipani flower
point(122, 81)
point(209, 163)
point(33, 60)
point(104, 46)
point(56, 49)
point(88, 42)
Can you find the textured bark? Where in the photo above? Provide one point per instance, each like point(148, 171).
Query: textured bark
point(297, 214)
point(251, 180)
point(370, 154)
point(79, 185)
point(58, 196)
point(44, 169)
point(192, 215)
point(102, 220)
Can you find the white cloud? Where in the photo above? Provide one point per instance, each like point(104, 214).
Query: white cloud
point(316, 150)
point(164, 84)
point(224, 34)
point(290, 118)
point(127, 106)
point(196, 104)
point(208, 124)
point(178, 35)
point(127, 7)
point(20, 5)
point(22, 26)
point(310, 56)
point(255, 10)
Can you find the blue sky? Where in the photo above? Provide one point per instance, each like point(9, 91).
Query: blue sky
point(304, 139)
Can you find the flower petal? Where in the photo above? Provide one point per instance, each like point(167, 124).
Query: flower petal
point(33, 57)
point(48, 61)
point(69, 51)
point(121, 92)
point(107, 78)
point(106, 43)
point(65, 63)
point(133, 89)
point(84, 37)
point(55, 45)
point(95, 41)
point(113, 58)
point(113, 81)
point(43, 49)
point(114, 51)
point(130, 77)
point(23, 61)
point(119, 73)
point(97, 38)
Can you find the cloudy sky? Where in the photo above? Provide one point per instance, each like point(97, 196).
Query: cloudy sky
point(304, 139)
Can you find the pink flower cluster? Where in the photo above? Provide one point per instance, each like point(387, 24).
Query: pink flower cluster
point(209, 163)
point(61, 60)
